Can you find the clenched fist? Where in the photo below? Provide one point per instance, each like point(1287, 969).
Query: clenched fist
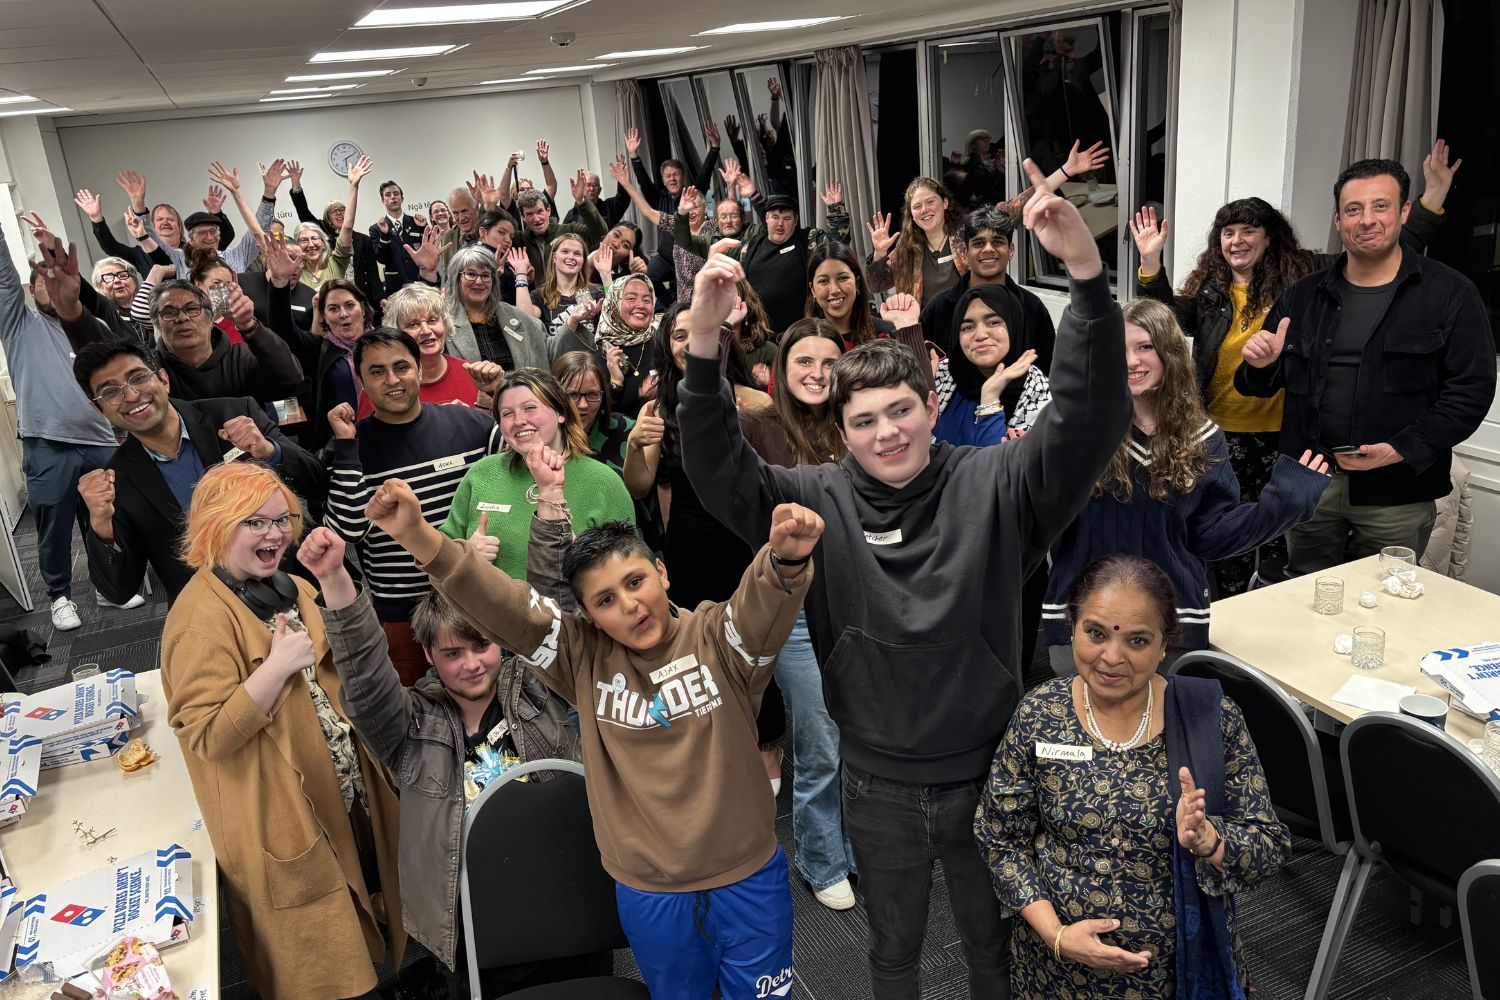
point(795, 531)
point(97, 489)
point(244, 435)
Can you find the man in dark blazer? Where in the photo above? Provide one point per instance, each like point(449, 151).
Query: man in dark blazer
point(137, 505)
point(394, 229)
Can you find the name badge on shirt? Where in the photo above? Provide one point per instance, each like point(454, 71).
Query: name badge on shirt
point(677, 666)
point(451, 462)
point(493, 508)
point(1063, 751)
point(233, 455)
point(883, 537)
point(943, 260)
point(788, 248)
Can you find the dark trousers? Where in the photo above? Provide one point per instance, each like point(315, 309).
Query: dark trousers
point(53, 469)
point(897, 831)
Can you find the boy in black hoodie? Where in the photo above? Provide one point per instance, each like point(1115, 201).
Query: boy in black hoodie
point(915, 612)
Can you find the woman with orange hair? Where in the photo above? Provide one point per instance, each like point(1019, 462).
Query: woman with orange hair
point(303, 820)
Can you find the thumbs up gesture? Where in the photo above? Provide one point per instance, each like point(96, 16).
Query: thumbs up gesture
point(485, 545)
point(1265, 347)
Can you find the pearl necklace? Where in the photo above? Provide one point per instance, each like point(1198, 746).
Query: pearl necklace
point(1140, 731)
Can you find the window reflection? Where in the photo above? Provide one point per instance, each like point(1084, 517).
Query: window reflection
point(968, 81)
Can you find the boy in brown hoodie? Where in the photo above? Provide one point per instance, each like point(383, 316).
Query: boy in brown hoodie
point(667, 700)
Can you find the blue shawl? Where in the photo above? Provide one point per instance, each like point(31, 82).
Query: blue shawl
point(1205, 951)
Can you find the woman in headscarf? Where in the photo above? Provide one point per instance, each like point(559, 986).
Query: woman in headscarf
point(627, 320)
point(991, 384)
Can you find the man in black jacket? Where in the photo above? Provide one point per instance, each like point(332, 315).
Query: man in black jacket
point(394, 229)
point(665, 197)
point(138, 504)
point(1388, 362)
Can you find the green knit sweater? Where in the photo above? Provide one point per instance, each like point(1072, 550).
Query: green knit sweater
point(594, 492)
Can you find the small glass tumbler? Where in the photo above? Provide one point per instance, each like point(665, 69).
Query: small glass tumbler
point(1369, 647)
point(1489, 751)
point(1328, 595)
point(84, 671)
point(1400, 562)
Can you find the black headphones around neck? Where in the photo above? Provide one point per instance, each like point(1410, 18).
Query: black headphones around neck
point(266, 598)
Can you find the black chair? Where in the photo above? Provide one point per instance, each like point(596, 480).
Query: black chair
point(1307, 788)
point(1406, 780)
point(528, 850)
point(1479, 910)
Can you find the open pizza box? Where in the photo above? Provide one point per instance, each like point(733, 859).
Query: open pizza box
point(78, 721)
point(20, 766)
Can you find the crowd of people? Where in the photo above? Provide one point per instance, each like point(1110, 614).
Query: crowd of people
point(453, 491)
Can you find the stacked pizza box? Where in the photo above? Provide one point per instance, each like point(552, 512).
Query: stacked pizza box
point(79, 721)
point(1471, 674)
point(20, 765)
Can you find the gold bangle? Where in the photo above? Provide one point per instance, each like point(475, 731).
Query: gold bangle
point(1057, 944)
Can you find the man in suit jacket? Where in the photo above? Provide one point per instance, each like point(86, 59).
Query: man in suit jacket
point(137, 504)
point(394, 229)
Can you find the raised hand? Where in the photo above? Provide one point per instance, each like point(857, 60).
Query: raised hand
point(1150, 238)
point(795, 530)
point(60, 273)
point(603, 260)
point(1263, 348)
point(88, 203)
point(213, 202)
point(519, 261)
point(227, 179)
point(1080, 943)
point(690, 199)
point(485, 545)
point(274, 176)
point(633, 142)
point(322, 552)
point(136, 227)
point(638, 265)
point(730, 172)
point(425, 256)
point(160, 273)
point(1438, 175)
point(582, 312)
point(649, 429)
point(711, 133)
point(773, 84)
point(578, 184)
point(280, 268)
point(732, 128)
point(484, 190)
point(244, 435)
point(715, 287)
point(395, 509)
point(542, 149)
point(485, 375)
point(294, 171)
point(880, 235)
point(1002, 377)
point(360, 168)
point(241, 310)
point(97, 490)
point(546, 468)
point(1059, 228)
point(901, 310)
point(1083, 161)
point(833, 193)
point(134, 186)
point(739, 312)
point(619, 171)
point(341, 420)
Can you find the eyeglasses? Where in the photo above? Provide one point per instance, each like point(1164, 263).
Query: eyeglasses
point(113, 276)
point(477, 275)
point(592, 397)
point(260, 525)
point(112, 394)
point(190, 311)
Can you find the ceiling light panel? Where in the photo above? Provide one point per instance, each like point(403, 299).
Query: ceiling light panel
point(293, 97)
point(400, 52)
point(587, 68)
point(648, 53)
point(33, 111)
point(16, 99)
point(315, 90)
point(362, 74)
point(745, 27)
point(473, 13)
point(514, 79)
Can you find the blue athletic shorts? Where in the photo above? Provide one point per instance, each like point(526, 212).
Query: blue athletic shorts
point(737, 938)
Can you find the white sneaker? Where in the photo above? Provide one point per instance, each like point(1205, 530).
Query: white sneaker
point(65, 615)
point(839, 896)
point(775, 787)
point(104, 602)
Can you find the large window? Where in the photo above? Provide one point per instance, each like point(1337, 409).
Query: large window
point(968, 96)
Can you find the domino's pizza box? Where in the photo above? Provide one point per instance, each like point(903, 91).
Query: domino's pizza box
point(1471, 674)
point(20, 766)
point(148, 896)
point(11, 905)
point(79, 721)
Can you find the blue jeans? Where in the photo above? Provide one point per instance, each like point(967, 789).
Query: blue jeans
point(53, 469)
point(899, 830)
point(824, 857)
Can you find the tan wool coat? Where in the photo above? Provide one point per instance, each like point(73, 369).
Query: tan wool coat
point(304, 921)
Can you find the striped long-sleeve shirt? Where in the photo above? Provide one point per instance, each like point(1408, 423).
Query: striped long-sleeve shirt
point(431, 453)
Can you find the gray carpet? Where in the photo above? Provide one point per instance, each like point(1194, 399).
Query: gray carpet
point(1387, 958)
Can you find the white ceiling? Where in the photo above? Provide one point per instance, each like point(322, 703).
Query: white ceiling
point(111, 56)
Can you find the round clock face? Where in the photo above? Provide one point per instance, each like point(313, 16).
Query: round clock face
point(341, 154)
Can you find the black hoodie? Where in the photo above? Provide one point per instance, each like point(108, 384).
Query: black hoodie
point(915, 612)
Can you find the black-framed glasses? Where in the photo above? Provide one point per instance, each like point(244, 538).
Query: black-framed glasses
point(136, 382)
point(591, 397)
point(190, 311)
point(261, 525)
point(477, 275)
point(112, 277)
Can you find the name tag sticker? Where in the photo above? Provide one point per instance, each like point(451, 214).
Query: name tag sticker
point(943, 260)
point(1063, 751)
point(674, 668)
point(493, 508)
point(788, 248)
point(883, 537)
point(233, 455)
point(451, 462)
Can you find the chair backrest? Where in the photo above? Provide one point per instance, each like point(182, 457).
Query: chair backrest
point(531, 882)
point(1420, 801)
point(1284, 739)
point(1479, 910)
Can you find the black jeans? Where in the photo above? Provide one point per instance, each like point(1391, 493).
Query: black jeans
point(897, 831)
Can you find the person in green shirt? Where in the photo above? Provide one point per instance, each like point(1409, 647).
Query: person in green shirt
point(494, 502)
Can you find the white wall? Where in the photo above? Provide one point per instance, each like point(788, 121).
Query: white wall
point(428, 147)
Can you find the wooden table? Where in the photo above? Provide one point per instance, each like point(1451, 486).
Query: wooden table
point(149, 809)
point(1275, 630)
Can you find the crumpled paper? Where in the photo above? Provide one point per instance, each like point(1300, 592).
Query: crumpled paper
point(1343, 644)
point(1399, 587)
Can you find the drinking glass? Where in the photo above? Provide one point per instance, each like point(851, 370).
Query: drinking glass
point(1328, 595)
point(84, 671)
point(1400, 562)
point(1369, 647)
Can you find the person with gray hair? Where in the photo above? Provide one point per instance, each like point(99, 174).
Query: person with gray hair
point(539, 228)
point(117, 279)
point(485, 326)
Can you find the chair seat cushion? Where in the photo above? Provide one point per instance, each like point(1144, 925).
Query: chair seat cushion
point(594, 988)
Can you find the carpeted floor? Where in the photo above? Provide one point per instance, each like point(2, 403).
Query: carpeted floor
point(1387, 958)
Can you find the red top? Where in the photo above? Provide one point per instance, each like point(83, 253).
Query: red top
point(454, 387)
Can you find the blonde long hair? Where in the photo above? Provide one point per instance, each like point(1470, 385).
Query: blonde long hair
point(1179, 450)
point(551, 297)
point(908, 269)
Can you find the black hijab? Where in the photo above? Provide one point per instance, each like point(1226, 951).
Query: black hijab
point(967, 378)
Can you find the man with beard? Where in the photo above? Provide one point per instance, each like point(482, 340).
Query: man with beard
point(539, 229)
point(435, 444)
point(62, 437)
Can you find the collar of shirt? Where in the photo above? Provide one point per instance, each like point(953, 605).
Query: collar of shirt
point(182, 427)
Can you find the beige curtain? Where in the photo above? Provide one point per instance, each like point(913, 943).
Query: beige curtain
point(843, 139)
point(1397, 69)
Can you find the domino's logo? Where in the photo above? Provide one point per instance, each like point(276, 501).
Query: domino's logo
point(46, 714)
point(76, 915)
